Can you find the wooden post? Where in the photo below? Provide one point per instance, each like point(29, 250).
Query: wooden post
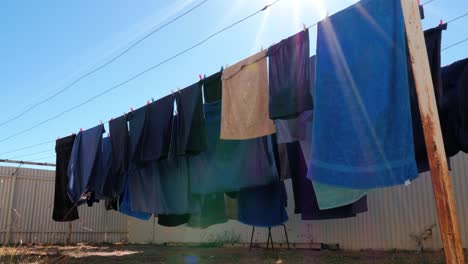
point(441, 181)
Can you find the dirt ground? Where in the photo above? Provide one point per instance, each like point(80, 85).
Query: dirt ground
point(125, 253)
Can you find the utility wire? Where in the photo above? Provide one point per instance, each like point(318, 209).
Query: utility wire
point(425, 3)
point(139, 74)
point(100, 67)
point(27, 147)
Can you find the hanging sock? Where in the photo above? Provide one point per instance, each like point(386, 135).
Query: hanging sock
point(244, 113)
point(64, 209)
point(362, 131)
point(289, 77)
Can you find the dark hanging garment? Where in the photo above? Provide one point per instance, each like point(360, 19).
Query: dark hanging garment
point(305, 201)
point(433, 39)
point(86, 150)
point(157, 131)
point(100, 172)
point(229, 165)
point(289, 78)
point(212, 88)
point(213, 211)
point(372, 144)
point(133, 193)
point(454, 106)
point(173, 220)
point(262, 206)
point(64, 209)
point(120, 157)
point(190, 135)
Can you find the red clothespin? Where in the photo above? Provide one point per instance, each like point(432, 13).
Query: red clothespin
point(200, 76)
point(147, 102)
point(419, 2)
point(441, 22)
point(131, 109)
point(81, 130)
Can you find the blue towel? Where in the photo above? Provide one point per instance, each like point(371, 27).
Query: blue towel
point(86, 147)
point(362, 131)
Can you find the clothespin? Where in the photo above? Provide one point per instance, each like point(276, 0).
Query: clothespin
point(304, 26)
point(419, 2)
point(147, 102)
point(58, 138)
point(222, 68)
point(204, 76)
point(152, 99)
point(200, 76)
point(100, 121)
point(131, 109)
point(441, 22)
point(81, 130)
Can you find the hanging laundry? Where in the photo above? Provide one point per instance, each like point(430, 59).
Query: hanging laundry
point(263, 206)
point(454, 106)
point(190, 136)
point(212, 88)
point(213, 211)
point(289, 77)
point(101, 172)
point(244, 113)
point(134, 193)
point(173, 220)
point(372, 145)
point(157, 130)
point(294, 129)
point(64, 209)
point(228, 165)
point(282, 160)
point(433, 39)
point(87, 148)
point(230, 203)
point(305, 197)
point(120, 157)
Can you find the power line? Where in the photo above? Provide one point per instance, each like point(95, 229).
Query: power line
point(139, 74)
point(43, 158)
point(102, 66)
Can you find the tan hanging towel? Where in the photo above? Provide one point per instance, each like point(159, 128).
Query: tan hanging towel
point(244, 112)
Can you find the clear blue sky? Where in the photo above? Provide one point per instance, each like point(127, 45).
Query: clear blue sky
point(47, 44)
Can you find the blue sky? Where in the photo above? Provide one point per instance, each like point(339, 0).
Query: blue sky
point(48, 44)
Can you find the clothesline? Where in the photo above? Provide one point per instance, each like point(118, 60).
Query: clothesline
point(91, 99)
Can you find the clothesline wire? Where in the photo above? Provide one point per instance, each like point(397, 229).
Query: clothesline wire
point(31, 154)
point(459, 17)
point(315, 24)
point(139, 74)
point(455, 44)
point(102, 66)
point(425, 3)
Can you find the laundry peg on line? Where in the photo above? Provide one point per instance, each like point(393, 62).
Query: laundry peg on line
point(304, 26)
point(147, 102)
point(100, 122)
point(152, 99)
point(441, 22)
point(200, 76)
point(131, 109)
point(81, 130)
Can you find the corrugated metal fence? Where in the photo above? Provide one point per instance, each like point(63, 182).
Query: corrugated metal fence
point(394, 213)
point(26, 204)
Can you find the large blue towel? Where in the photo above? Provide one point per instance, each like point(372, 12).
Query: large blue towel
point(362, 131)
point(86, 147)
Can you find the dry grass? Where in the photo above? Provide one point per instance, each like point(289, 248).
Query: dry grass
point(122, 253)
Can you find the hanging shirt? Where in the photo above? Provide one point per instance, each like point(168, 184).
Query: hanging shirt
point(433, 39)
point(263, 206)
point(120, 157)
point(244, 113)
point(212, 88)
point(295, 129)
point(228, 165)
point(64, 209)
point(289, 77)
point(213, 211)
point(190, 135)
point(454, 106)
point(157, 130)
point(362, 131)
point(87, 148)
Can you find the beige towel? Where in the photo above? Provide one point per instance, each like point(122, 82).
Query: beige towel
point(244, 112)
